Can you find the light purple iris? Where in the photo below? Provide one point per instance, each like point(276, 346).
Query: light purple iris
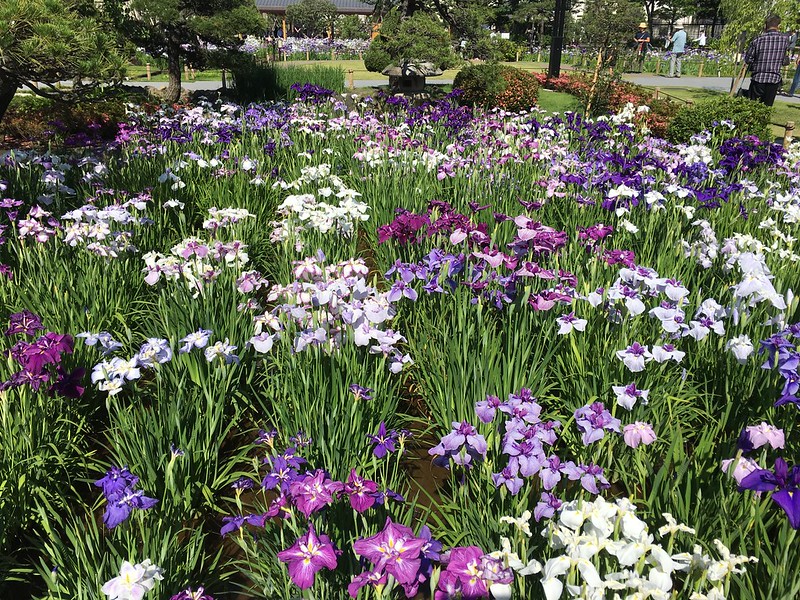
point(508, 477)
point(463, 445)
point(486, 409)
point(593, 421)
point(546, 507)
point(198, 339)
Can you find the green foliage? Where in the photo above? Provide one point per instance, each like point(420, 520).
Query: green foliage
point(352, 28)
point(48, 41)
point(254, 81)
point(494, 85)
point(418, 38)
point(744, 19)
point(34, 119)
point(748, 117)
point(609, 24)
point(377, 58)
point(183, 29)
point(313, 17)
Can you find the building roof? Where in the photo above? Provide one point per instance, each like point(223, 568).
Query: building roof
point(345, 7)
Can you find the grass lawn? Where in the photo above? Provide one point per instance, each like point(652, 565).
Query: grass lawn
point(137, 73)
point(558, 102)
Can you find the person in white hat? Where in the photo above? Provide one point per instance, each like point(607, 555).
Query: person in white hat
point(642, 39)
point(678, 43)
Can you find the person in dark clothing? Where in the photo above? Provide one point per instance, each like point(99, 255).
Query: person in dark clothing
point(765, 56)
point(642, 39)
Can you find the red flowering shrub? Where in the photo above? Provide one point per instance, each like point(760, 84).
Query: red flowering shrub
point(611, 95)
point(497, 86)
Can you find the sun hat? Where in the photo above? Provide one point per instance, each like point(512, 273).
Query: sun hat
point(642, 25)
point(678, 26)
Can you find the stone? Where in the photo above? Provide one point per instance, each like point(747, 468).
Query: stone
point(409, 77)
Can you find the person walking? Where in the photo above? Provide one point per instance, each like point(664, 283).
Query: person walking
point(642, 40)
point(795, 79)
point(701, 39)
point(765, 56)
point(678, 43)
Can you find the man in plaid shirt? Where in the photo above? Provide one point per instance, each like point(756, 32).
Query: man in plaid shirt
point(765, 57)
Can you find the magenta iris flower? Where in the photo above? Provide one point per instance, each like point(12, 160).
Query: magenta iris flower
point(366, 578)
point(395, 550)
point(464, 574)
point(188, 594)
point(363, 493)
point(314, 491)
point(308, 555)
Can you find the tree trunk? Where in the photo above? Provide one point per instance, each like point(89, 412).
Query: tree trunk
point(173, 92)
point(7, 91)
point(410, 8)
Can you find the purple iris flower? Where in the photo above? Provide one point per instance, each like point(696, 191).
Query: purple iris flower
point(188, 594)
point(119, 508)
point(592, 478)
point(546, 507)
point(509, 477)
point(384, 441)
point(360, 392)
point(24, 322)
point(243, 483)
point(236, 522)
point(522, 406)
point(68, 384)
point(463, 444)
point(783, 479)
point(116, 480)
point(308, 555)
point(281, 475)
point(593, 421)
point(395, 550)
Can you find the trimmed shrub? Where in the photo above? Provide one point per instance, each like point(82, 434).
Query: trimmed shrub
point(253, 82)
point(494, 85)
point(748, 118)
point(417, 38)
point(376, 58)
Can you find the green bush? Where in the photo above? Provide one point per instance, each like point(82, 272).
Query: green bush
point(376, 58)
point(493, 85)
point(748, 117)
point(253, 82)
point(417, 38)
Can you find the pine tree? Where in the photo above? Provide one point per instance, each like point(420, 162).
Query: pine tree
point(185, 30)
point(43, 42)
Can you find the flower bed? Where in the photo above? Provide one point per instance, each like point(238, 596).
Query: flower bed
point(331, 350)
